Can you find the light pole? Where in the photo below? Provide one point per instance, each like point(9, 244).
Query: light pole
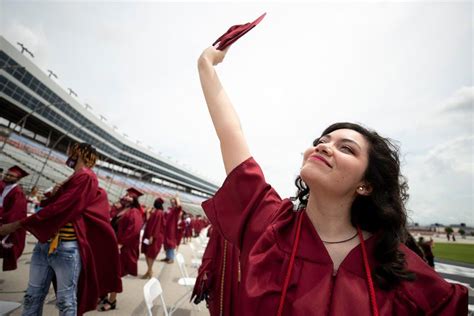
point(24, 49)
point(52, 74)
point(71, 92)
point(54, 146)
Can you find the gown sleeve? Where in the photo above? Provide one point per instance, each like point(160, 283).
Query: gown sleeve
point(429, 293)
point(72, 200)
point(129, 225)
point(17, 205)
point(455, 303)
point(244, 206)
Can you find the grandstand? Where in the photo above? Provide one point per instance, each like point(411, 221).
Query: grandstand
point(39, 120)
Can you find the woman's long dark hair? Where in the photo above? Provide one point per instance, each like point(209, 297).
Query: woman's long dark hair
point(383, 211)
point(135, 203)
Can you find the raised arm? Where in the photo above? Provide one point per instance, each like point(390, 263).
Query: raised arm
point(226, 122)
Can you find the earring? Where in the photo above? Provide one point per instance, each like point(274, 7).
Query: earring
point(360, 188)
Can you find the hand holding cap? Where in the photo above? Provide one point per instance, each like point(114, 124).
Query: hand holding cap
point(235, 32)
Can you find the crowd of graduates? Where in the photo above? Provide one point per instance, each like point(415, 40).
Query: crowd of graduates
point(84, 241)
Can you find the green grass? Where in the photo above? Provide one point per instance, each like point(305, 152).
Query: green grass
point(454, 252)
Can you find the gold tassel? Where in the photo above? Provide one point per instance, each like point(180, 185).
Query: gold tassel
point(54, 244)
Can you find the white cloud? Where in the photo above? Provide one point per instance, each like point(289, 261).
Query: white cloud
point(441, 169)
point(462, 101)
point(453, 156)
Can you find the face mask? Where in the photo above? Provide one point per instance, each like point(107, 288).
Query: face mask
point(125, 201)
point(71, 162)
point(9, 180)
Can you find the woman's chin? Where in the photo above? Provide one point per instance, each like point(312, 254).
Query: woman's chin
point(312, 176)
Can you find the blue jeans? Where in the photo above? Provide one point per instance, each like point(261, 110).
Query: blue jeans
point(65, 263)
point(170, 254)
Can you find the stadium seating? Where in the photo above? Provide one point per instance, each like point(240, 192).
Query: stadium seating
point(31, 156)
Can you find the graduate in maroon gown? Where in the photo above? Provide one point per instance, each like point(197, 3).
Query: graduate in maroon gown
point(153, 236)
point(13, 207)
point(172, 216)
point(193, 225)
point(199, 224)
point(218, 277)
point(74, 231)
point(181, 229)
point(188, 228)
point(337, 247)
point(128, 223)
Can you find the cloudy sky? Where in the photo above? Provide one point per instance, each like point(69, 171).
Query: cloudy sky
point(404, 69)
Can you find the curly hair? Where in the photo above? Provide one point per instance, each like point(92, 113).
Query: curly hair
point(383, 211)
point(86, 152)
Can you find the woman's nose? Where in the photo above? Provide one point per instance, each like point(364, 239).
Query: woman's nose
point(324, 148)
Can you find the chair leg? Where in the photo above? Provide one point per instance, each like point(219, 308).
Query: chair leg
point(180, 301)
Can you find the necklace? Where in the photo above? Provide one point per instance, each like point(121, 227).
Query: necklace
point(339, 242)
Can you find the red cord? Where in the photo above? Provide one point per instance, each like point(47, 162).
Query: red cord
point(373, 301)
point(375, 310)
point(290, 266)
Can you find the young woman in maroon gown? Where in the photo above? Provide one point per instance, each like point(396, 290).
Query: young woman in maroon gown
point(128, 223)
point(153, 236)
point(172, 216)
point(338, 250)
point(181, 230)
point(188, 228)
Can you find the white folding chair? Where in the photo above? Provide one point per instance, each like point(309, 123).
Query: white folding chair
point(185, 281)
point(200, 245)
point(196, 260)
point(151, 291)
point(198, 253)
point(203, 239)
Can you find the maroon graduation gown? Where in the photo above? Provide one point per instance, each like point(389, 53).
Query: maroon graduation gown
point(218, 277)
point(188, 230)
point(114, 210)
point(14, 209)
point(171, 229)
point(81, 202)
point(198, 226)
point(128, 235)
point(155, 227)
point(249, 213)
point(180, 232)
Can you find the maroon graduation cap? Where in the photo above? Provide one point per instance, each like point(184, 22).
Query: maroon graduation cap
point(134, 192)
point(235, 32)
point(18, 172)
